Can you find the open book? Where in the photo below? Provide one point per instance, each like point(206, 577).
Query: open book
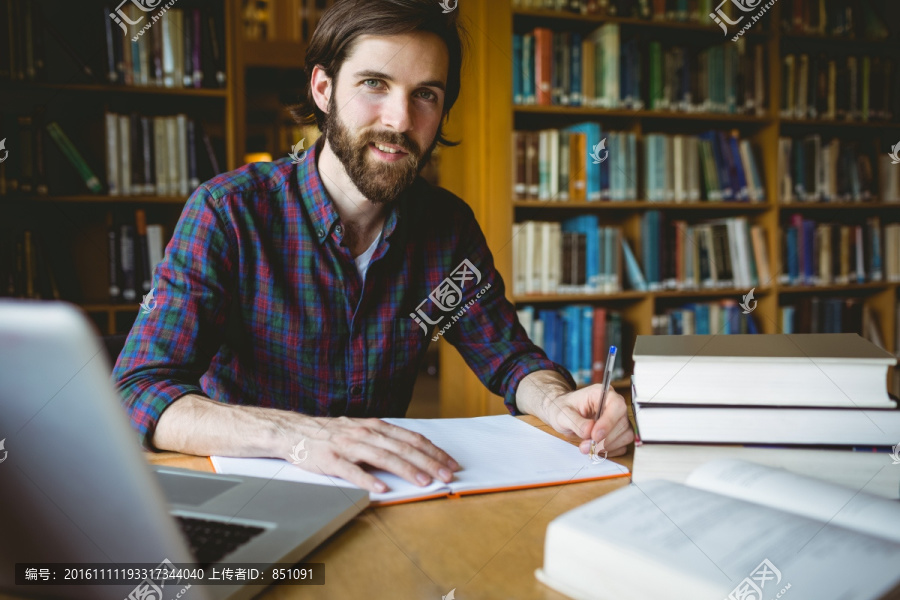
point(496, 453)
point(735, 529)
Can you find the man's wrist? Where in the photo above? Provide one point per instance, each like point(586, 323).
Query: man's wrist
point(537, 390)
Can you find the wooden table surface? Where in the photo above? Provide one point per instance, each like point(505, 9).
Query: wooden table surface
point(483, 546)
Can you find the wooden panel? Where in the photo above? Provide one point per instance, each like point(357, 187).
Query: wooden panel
point(482, 119)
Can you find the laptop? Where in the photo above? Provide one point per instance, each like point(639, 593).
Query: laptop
point(75, 487)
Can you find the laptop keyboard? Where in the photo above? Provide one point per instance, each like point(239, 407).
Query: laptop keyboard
point(212, 540)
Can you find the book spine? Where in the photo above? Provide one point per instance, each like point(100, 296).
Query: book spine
point(168, 51)
point(143, 260)
point(136, 153)
point(193, 177)
point(172, 154)
point(74, 157)
point(126, 253)
point(217, 53)
point(125, 154)
point(182, 150)
point(112, 71)
point(211, 154)
point(149, 176)
point(112, 153)
point(159, 156)
point(30, 267)
point(112, 247)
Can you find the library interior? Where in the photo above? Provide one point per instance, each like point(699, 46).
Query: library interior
point(690, 212)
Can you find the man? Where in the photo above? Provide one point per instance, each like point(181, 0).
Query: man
point(290, 298)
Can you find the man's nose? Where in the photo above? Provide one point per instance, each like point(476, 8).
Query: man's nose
point(396, 114)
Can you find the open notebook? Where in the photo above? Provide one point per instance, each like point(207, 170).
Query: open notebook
point(496, 453)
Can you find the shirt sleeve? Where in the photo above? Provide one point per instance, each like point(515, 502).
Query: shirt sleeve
point(170, 347)
point(485, 328)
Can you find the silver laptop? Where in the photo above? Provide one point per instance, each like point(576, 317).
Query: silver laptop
point(75, 488)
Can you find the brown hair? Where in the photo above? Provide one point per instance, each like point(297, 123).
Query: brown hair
point(335, 38)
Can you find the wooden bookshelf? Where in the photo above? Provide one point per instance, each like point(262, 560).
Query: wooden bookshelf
point(479, 171)
point(226, 111)
point(643, 205)
point(270, 74)
point(79, 104)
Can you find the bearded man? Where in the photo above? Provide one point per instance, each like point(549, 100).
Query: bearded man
point(295, 300)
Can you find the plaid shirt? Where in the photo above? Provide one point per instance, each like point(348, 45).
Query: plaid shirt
point(258, 303)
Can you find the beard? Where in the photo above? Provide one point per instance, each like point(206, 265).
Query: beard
point(381, 182)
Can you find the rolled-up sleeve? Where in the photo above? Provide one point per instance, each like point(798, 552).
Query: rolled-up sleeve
point(170, 347)
point(488, 334)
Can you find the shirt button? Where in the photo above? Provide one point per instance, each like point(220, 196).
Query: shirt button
point(320, 232)
point(339, 229)
point(355, 390)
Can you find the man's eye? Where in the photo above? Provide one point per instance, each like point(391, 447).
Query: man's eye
point(368, 80)
point(432, 95)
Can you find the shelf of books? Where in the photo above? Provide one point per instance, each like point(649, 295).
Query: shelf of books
point(270, 56)
point(664, 177)
point(110, 118)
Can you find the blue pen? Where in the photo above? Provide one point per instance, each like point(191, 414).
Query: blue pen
point(607, 380)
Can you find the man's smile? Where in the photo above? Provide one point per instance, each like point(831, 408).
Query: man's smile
point(388, 152)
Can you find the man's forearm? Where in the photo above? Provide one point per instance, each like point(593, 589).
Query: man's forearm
point(537, 389)
point(194, 424)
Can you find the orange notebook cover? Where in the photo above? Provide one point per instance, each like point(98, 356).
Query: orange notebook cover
point(496, 453)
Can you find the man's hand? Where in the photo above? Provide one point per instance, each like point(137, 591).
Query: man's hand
point(546, 395)
point(335, 446)
point(338, 445)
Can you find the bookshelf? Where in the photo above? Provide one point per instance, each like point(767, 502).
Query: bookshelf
point(75, 54)
point(70, 221)
point(270, 57)
point(482, 171)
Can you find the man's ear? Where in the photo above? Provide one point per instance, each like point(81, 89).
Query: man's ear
point(321, 86)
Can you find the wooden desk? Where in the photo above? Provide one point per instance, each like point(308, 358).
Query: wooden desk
point(485, 546)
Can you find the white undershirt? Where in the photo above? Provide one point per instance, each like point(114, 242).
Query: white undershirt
point(362, 261)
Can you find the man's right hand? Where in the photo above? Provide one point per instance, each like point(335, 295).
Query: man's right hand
point(335, 446)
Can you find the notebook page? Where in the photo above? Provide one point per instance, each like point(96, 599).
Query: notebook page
point(494, 452)
point(502, 451)
point(275, 468)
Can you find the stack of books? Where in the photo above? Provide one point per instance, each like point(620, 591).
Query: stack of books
point(814, 404)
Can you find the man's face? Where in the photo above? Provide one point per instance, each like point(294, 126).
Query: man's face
point(389, 91)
